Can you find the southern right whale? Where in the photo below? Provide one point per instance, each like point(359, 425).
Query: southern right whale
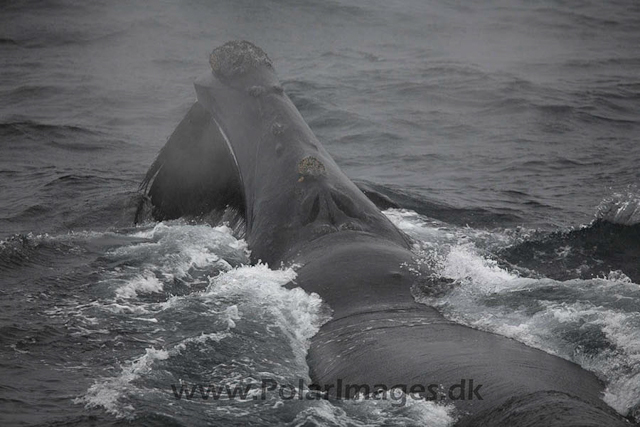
point(244, 144)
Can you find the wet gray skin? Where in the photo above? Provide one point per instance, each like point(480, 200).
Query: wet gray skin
point(301, 209)
point(294, 191)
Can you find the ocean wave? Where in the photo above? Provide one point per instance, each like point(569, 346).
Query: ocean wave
point(26, 128)
point(592, 321)
point(586, 252)
point(585, 321)
point(336, 9)
point(628, 62)
point(560, 17)
point(80, 146)
point(23, 249)
point(109, 394)
point(378, 412)
point(7, 41)
point(31, 91)
point(78, 180)
point(620, 208)
point(387, 197)
point(245, 326)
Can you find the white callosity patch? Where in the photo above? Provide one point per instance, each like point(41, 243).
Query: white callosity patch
point(237, 58)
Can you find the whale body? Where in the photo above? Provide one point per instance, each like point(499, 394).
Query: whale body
point(244, 144)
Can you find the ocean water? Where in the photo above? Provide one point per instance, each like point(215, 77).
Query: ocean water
point(507, 135)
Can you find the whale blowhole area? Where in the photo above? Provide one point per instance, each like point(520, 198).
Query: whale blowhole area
point(237, 57)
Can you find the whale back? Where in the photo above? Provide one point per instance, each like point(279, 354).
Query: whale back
point(244, 144)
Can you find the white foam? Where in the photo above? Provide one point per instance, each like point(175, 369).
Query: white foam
point(621, 208)
point(623, 330)
point(144, 283)
point(623, 394)
point(419, 227)
point(108, 393)
point(537, 322)
point(200, 339)
point(298, 314)
point(431, 233)
point(617, 276)
point(173, 249)
point(230, 315)
point(118, 308)
point(479, 277)
point(465, 265)
point(394, 407)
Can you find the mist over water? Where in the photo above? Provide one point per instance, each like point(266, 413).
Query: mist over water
point(502, 130)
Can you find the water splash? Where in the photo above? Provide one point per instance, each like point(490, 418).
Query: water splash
point(621, 208)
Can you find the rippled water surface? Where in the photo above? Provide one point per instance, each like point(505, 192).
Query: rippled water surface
point(506, 134)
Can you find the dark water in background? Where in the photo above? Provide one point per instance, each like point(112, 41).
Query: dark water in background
point(500, 127)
